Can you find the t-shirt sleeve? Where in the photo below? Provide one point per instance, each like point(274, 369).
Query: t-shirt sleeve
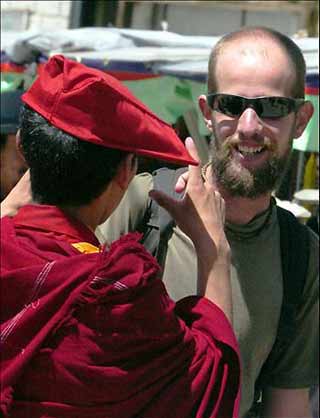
point(299, 366)
point(130, 211)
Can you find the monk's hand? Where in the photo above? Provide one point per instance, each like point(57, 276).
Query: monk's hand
point(201, 213)
point(19, 196)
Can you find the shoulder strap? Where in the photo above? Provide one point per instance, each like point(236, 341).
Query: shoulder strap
point(295, 250)
point(294, 245)
point(157, 224)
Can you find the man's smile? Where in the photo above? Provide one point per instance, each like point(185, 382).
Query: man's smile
point(250, 156)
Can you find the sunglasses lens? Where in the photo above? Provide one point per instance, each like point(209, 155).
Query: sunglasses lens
point(275, 107)
point(229, 105)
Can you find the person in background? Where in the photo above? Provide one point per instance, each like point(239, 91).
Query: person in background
point(90, 331)
point(12, 164)
point(254, 108)
point(313, 221)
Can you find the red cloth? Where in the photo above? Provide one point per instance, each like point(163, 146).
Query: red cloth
point(96, 335)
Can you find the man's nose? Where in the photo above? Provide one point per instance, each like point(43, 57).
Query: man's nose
point(249, 123)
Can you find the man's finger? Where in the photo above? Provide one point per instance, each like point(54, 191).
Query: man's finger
point(167, 202)
point(182, 182)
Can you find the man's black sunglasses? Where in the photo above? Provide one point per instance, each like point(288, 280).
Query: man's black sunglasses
point(265, 107)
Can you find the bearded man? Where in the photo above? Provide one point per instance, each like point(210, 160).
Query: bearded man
point(254, 108)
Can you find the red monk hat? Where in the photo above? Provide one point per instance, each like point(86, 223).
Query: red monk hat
point(95, 107)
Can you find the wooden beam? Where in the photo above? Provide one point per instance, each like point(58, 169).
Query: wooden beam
point(120, 14)
point(253, 5)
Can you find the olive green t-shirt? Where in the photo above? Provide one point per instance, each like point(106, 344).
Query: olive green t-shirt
point(256, 280)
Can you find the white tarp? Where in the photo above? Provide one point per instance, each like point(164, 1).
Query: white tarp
point(168, 52)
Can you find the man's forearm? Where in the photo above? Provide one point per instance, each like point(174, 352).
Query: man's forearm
point(286, 403)
point(19, 196)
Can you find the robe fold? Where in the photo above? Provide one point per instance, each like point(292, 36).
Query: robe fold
point(90, 332)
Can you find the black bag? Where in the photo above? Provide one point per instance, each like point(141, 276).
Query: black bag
point(294, 245)
point(157, 228)
point(157, 224)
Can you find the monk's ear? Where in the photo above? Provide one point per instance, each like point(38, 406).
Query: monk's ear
point(303, 116)
point(19, 146)
point(126, 171)
point(206, 111)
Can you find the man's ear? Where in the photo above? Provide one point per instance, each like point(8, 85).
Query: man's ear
point(126, 171)
point(19, 146)
point(206, 111)
point(304, 114)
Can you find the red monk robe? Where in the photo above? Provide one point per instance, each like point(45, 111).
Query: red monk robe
point(96, 335)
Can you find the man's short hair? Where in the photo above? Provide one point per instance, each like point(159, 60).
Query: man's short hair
point(64, 170)
point(259, 33)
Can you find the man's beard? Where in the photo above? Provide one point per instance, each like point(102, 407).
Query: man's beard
point(240, 181)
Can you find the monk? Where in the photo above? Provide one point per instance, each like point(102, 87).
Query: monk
point(90, 331)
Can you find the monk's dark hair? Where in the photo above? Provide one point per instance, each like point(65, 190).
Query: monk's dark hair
point(64, 170)
point(260, 33)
